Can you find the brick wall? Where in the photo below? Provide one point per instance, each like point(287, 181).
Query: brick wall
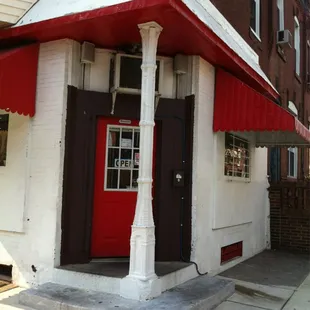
point(290, 216)
point(279, 67)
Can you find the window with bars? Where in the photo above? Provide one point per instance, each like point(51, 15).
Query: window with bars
point(237, 156)
point(4, 126)
point(122, 164)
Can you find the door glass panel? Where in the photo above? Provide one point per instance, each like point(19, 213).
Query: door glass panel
point(122, 158)
point(113, 157)
point(135, 179)
point(136, 138)
point(127, 136)
point(114, 134)
point(136, 158)
point(126, 158)
point(124, 181)
point(112, 179)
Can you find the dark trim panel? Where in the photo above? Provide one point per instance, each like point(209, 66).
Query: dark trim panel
point(174, 125)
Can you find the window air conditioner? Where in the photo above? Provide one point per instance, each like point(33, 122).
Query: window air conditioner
point(284, 37)
point(126, 76)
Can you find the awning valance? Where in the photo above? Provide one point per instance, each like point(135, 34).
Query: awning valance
point(239, 108)
point(18, 79)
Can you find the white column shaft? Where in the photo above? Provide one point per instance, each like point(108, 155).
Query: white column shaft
point(142, 279)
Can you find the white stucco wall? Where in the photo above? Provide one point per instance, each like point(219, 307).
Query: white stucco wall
point(224, 211)
point(39, 171)
point(13, 175)
point(31, 183)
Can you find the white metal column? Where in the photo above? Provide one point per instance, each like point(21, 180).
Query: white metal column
point(142, 282)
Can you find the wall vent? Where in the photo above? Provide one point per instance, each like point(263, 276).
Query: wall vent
point(6, 272)
point(231, 252)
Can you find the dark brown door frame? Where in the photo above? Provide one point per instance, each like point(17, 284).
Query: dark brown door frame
point(173, 118)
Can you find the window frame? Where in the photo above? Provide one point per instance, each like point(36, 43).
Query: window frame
point(248, 158)
point(297, 45)
point(280, 6)
point(256, 31)
point(293, 150)
point(106, 167)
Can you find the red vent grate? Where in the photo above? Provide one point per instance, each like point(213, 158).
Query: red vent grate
point(231, 252)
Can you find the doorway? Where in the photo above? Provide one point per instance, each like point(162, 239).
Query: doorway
point(115, 190)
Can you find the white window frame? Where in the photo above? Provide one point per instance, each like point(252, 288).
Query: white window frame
point(280, 6)
point(297, 45)
point(106, 168)
point(293, 150)
point(256, 31)
point(292, 107)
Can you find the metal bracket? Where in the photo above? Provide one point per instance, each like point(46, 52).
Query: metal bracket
point(115, 91)
point(114, 94)
point(157, 97)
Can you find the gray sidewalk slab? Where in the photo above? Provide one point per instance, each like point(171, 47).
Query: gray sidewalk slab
point(228, 305)
point(202, 293)
point(261, 296)
point(272, 268)
point(9, 300)
point(301, 298)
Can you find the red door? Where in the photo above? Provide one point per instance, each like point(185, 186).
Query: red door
point(116, 173)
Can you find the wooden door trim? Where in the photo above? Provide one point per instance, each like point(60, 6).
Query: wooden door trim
point(84, 107)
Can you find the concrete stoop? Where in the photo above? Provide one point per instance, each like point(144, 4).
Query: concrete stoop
point(203, 293)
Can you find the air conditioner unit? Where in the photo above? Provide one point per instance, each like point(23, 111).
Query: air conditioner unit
point(127, 76)
point(284, 37)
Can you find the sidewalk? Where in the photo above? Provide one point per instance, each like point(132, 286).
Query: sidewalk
point(9, 300)
point(271, 281)
point(301, 298)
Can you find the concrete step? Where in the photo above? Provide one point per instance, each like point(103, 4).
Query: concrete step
point(203, 293)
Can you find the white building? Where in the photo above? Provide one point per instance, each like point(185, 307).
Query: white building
point(69, 169)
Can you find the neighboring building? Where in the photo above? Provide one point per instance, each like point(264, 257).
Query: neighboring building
point(77, 135)
point(278, 31)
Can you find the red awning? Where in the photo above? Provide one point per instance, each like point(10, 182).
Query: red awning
point(18, 79)
point(116, 26)
point(239, 108)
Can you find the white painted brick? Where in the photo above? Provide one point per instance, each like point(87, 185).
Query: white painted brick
point(40, 205)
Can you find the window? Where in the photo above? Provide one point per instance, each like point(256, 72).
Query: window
point(292, 155)
point(4, 126)
point(122, 164)
point(280, 7)
point(292, 107)
point(237, 157)
point(255, 17)
point(297, 46)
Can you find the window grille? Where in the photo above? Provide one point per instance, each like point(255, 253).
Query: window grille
point(237, 157)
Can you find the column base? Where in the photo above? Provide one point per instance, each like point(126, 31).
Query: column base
point(136, 289)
